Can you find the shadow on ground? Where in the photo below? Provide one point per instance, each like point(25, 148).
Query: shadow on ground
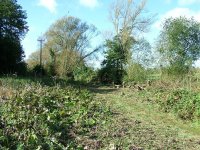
point(103, 90)
point(18, 82)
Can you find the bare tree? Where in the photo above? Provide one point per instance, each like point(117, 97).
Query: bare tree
point(127, 15)
point(128, 20)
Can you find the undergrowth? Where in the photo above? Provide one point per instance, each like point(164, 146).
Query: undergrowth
point(185, 103)
point(50, 114)
point(41, 117)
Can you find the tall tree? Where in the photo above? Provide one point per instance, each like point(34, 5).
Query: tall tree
point(67, 45)
point(179, 44)
point(69, 39)
point(12, 29)
point(115, 58)
point(114, 61)
point(128, 20)
point(142, 53)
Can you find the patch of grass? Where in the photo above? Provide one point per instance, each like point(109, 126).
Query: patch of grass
point(139, 123)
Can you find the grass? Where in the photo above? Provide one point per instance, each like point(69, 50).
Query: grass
point(146, 126)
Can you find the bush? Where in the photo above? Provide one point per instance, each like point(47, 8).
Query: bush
point(48, 118)
point(175, 71)
point(38, 70)
point(135, 72)
point(84, 74)
point(21, 69)
point(186, 104)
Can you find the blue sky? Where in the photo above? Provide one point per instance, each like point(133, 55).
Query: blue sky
point(42, 13)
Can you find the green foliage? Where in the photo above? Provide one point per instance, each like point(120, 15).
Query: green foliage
point(135, 72)
point(15, 82)
point(179, 44)
point(67, 45)
point(12, 30)
point(13, 24)
point(109, 75)
point(115, 52)
point(186, 104)
point(11, 55)
point(116, 57)
point(142, 53)
point(40, 117)
point(84, 74)
point(21, 68)
point(38, 70)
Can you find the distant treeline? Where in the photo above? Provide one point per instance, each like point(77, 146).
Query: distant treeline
point(127, 56)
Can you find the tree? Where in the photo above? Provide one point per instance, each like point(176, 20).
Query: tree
point(142, 53)
point(12, 29)
point(34, 63)
point(128, 20)
point(179, 44)
point(34, 58)
point(113, 63)
point(67, 45)
point(69, 39)
point(136, 70)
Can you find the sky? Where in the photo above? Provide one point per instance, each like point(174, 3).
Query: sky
point(43, 13)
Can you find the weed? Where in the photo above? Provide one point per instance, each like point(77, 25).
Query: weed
point(41, 117)
point(184, 103)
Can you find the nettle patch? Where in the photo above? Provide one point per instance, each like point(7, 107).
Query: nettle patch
point(40, 117)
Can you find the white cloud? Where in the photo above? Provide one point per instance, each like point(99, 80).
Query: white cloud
point(177, 12)
point(89, 3)
point(188, 2)
point(49, 4)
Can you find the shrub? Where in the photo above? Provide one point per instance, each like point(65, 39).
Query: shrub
point(47, 118)
point(108, 75)
point(135, 72)
point(84, 74)
point(38, 70)
point(185, 103)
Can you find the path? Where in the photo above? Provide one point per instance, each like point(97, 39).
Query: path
point(140, 124)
